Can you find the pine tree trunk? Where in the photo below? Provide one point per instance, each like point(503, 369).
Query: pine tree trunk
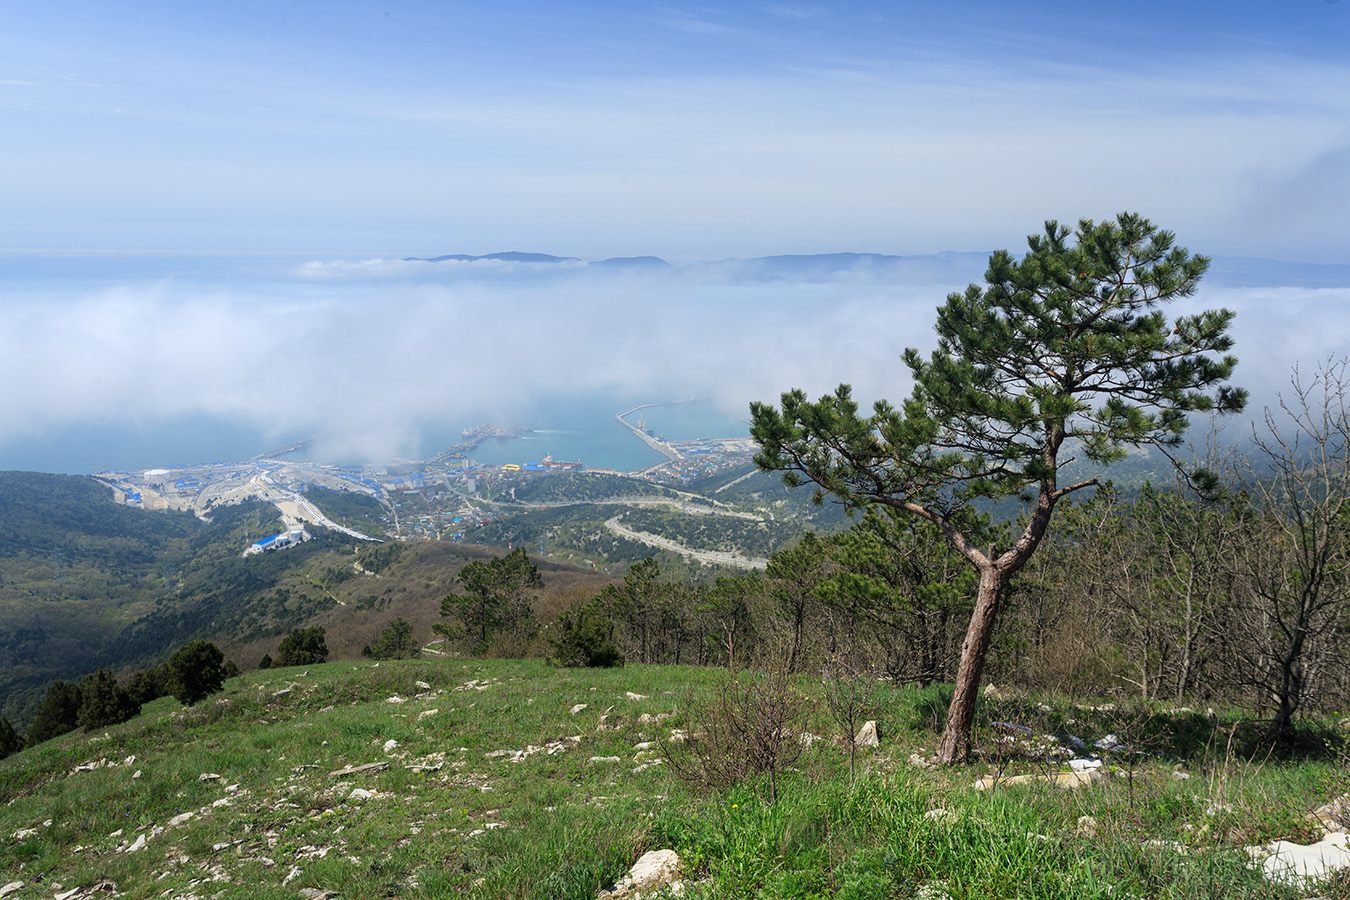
point(955, 745)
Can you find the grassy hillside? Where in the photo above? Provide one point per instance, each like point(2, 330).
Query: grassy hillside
point(86, 583)
point(484, 782)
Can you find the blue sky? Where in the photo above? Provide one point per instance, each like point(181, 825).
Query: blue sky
point(686, 131)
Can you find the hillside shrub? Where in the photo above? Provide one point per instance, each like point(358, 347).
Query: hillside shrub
point(302, 647)
point(750, 728)
point(196, 672)
point(585, 639)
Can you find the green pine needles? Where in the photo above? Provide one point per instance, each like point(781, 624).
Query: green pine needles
point(1071, 344)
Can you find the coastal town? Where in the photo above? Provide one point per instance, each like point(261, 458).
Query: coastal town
point(436, 497)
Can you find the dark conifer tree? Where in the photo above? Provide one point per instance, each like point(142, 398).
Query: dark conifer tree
point(104, 702)
point(10, 742)
point(59, 712)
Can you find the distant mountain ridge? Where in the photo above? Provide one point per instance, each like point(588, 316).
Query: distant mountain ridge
point(937, 267)
point(943, 267)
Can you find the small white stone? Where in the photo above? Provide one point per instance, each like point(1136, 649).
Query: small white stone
point(390, 745)
point(180, 818)
point(868, 736)
point(578, 708)
point(138, 845)
point(1299, 865)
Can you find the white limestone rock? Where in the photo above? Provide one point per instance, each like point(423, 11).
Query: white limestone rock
point(653, 871)
point(869, 735)
point(1299, 865)
point(1333, 816)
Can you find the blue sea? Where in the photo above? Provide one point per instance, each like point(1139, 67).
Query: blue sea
point(584, 430)
point(580, 429)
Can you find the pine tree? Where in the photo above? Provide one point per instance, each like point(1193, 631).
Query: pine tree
point(585, 638)
point(1065, 353)
point(496, 597)
point(396, 641)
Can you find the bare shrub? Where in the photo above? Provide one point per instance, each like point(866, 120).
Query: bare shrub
point(850, 689)
point(749, 727)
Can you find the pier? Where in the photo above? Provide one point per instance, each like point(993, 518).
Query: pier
point(655, 443)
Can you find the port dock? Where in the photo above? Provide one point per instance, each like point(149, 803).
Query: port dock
point(646, 435)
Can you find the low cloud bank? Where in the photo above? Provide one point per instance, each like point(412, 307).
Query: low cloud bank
point(374, 353)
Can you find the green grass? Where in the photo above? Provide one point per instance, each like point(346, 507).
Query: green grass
point(546, 821)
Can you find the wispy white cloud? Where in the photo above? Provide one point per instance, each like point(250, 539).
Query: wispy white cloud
point(373, 353)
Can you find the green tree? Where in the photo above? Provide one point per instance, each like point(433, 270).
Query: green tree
point(496, 597)
point(302, 647)
point(1069, 344)
point(637, 605)
point(104, 702)
point(59, 712)
point(586, 638)
point(792, 581)
point(196, 671)
point(904, 589)
point(10, 742)
point(149, 684)
point(729, 623)
point(396, 641)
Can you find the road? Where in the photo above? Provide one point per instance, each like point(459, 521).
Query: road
point(712, 556)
